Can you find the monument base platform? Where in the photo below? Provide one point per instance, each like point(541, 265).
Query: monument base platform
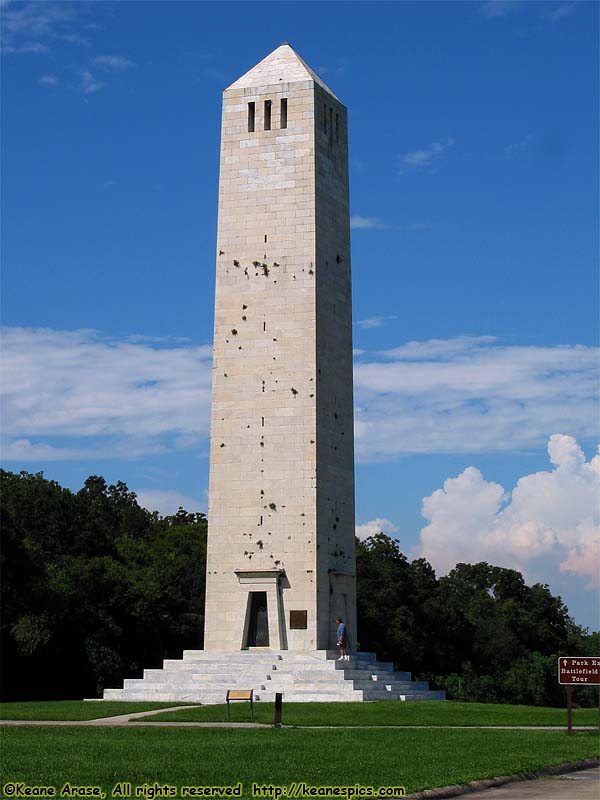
point(203, 676)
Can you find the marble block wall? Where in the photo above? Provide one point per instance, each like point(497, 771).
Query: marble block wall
point(281, 494)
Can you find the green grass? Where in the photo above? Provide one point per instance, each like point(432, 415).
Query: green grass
point(417, 759)
point(388, 712)
point(75, 709)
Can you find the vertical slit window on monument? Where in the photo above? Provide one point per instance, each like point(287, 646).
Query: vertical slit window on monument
point(267, 115)
point(324, 118)
point(283, 113)
point(337, 127)
point(331, 122)
point(251, 116)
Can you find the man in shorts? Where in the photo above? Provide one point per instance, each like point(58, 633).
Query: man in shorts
point(342, 639)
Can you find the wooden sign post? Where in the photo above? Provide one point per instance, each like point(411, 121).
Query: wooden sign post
point(578, 671)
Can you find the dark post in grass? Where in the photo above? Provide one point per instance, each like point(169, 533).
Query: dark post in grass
point(569, 689)
point(278, 709)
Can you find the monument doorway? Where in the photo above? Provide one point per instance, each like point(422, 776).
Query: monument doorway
point(258, 622)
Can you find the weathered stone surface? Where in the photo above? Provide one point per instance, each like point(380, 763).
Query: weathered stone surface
point(204, 677)
point(281, 496)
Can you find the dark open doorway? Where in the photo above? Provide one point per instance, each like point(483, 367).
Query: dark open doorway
point(258, 624)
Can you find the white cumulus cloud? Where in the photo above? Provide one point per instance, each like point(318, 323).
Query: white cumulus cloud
point(472, 394)
point(374, 526)
point(550, 518)
point(73, 394)
point(113, 398)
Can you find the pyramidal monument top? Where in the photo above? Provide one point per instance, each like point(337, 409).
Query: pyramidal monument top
point(282, 65)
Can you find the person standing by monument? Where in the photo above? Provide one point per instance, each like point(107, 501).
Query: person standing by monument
point(342, 639)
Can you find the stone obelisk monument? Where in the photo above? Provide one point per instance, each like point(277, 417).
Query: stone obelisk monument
point(281, 561)
point(281, 553)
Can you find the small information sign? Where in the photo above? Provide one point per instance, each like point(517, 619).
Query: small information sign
point(579, 670)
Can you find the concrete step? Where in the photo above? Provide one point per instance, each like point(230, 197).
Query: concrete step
point(310, 696)
point(393, 686)
point(199, 679)
point(205, 677)
point(215, 666)
point(305, 676)
point(405, 696)
point(220, 656)
point(380, 674)
point(228, 662)
point(381, 666)
point(198, 675)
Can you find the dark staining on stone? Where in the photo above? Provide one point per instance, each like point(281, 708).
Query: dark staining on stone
point(236, 263)
point(234, 331)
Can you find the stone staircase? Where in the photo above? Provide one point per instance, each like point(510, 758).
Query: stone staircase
point(205, 676)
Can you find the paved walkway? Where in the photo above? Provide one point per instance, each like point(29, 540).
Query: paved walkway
point(126, 719)
point(581, 785)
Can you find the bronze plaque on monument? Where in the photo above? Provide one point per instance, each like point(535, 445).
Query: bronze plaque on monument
point(298, 620)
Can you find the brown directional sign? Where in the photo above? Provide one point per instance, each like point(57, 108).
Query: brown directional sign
point(579, 670)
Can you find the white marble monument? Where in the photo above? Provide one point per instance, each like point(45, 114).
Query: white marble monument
point(281, 540)
point(281, 562)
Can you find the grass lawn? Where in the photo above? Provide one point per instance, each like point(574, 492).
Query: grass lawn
point(388, 712)
point(75, 709)
point(416, 759)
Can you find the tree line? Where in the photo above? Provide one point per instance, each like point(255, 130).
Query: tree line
point(96, 588)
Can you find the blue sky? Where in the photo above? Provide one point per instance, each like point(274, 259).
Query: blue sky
point(474, 190)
